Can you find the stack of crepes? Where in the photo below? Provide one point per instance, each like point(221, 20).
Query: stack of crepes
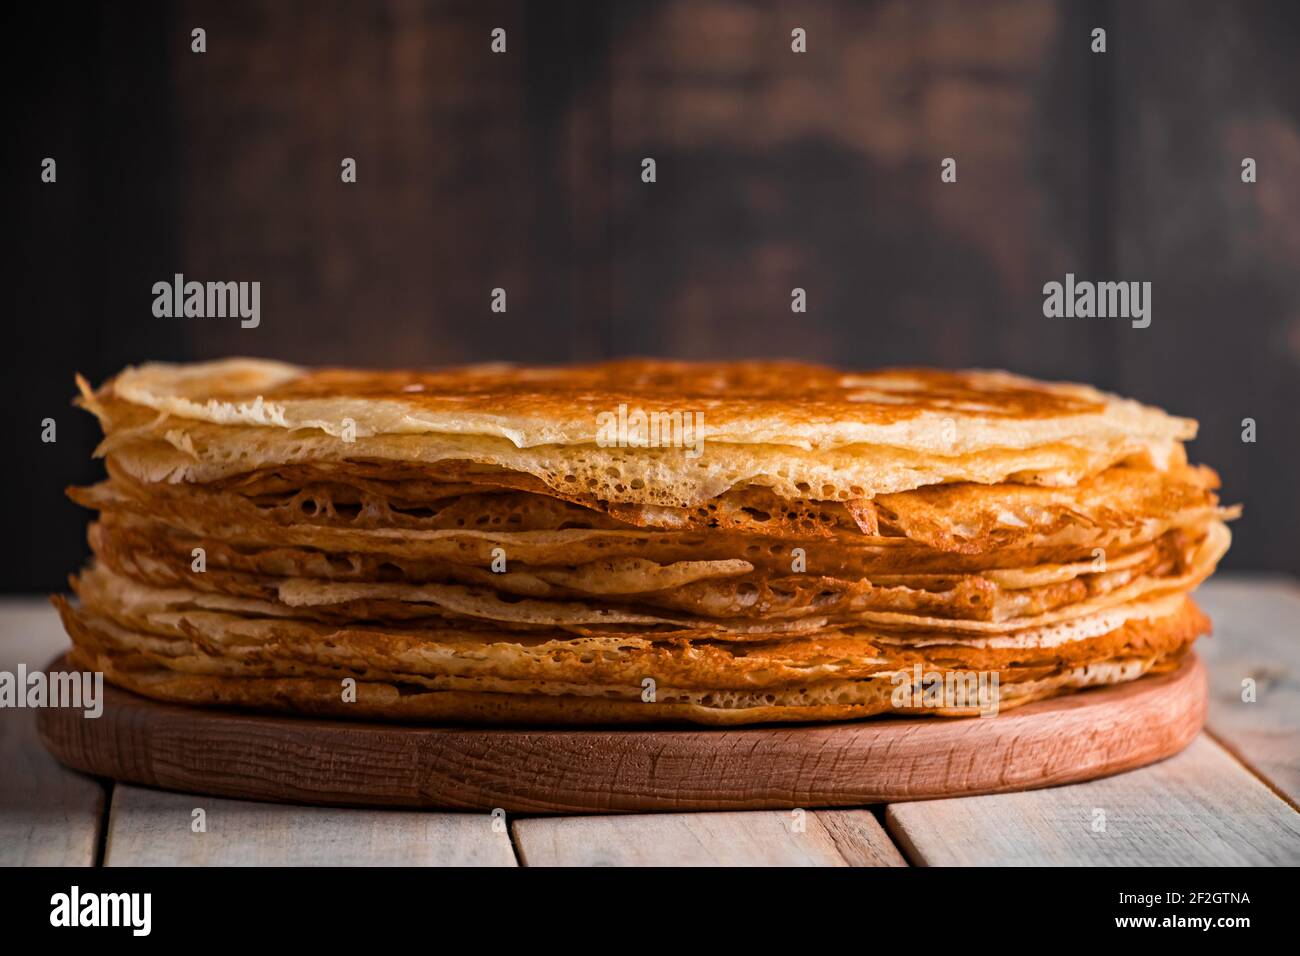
point(481, 544)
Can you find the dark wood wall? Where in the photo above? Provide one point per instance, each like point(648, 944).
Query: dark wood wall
point(775, 170)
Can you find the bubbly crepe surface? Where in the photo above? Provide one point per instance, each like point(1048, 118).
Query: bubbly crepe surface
point(466, 545)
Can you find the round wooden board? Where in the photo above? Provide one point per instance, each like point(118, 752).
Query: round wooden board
point(586, 770)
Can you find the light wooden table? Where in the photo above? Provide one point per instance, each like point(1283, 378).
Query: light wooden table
point(1230, 798)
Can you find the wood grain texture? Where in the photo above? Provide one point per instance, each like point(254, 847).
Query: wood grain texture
point(583, 770)
point(769, 161)
point(1201, 85)
point(457, 151)
point(1256, 638)
point(1198, 808)
point(758, 838)
point(49, 815)
point(153, 828)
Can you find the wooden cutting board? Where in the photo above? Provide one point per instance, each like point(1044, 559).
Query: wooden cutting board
point(521, 770)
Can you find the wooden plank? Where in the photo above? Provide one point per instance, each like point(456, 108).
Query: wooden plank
point(49, 815)
point(1198, 808)
point(76, 74)
point(155, 828)
point(759, 838)
point(1201, 85)
point(1256, 626)
point(859, 838)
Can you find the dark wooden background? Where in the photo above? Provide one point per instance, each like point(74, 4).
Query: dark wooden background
point(775, 170)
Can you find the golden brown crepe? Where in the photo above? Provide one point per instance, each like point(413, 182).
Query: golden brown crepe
point(470, 544)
